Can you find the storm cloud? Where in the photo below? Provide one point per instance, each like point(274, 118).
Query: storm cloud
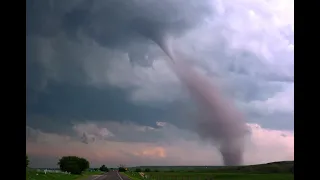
point(88, 61)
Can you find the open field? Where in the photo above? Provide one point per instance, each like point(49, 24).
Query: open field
point(274, 167)
point(274, 171)
point(32, 174)
point(228, 176)
point(209, 176)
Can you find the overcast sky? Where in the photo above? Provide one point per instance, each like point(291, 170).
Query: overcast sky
point(97, 90)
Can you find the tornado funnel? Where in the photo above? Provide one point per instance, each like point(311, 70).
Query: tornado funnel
point(155, 32)
point(222, 122)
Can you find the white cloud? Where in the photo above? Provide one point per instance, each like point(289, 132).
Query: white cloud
point(91, 132)
point(161, 124)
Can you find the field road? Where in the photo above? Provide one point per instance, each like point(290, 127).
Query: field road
point(112, 175)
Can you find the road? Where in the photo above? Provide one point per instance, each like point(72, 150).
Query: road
point(112, 175)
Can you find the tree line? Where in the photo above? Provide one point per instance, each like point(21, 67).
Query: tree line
point(73, 164)
point(76, 165)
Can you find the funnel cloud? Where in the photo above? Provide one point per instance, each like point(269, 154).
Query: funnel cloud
point(221, 122)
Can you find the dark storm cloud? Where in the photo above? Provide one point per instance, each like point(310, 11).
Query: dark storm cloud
point(68, 79)
point(123, 25)
point(113, 23)
point(64, 102)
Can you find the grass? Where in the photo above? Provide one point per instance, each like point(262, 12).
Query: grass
point(132, 175)
point(32, 174)
point(218, 176)
point(274, 167)
point(275, 171)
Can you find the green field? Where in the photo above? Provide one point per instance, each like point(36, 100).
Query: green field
point(283, 167)
point(208, 176)
point(132, 175)
point(34, 175)
point(275, 171)
point(228, 176)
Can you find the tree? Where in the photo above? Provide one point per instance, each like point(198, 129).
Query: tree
point(73, 164)
point(27, 160)
point(147, 170)
point(84, 164)
point(122, 168)
point(138, 170)
point(104, 168)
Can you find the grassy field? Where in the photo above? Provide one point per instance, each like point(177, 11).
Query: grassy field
point(274, 171)
point(217, 176)
point(132, 175)
point(208, 176)
point(34, 175)
point(274, 167)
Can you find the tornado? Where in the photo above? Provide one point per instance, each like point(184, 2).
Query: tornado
point(119, 24)
point(220, 121)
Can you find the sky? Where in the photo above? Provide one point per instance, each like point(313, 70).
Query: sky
point(97, 90)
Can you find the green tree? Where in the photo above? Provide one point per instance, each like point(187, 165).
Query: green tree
point(27, 160)
point(84, 164)
point(104, 168)
point(138, 170)
point(147, 170)
point(122, 168)
point(73, 164)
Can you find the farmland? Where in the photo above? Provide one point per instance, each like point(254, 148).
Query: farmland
point(274, 171)
point(229, 176)
point(209, 176)
point(274, 167)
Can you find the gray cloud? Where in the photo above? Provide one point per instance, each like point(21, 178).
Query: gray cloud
point(76, 71)
point(114, 22)
point(56, 57)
